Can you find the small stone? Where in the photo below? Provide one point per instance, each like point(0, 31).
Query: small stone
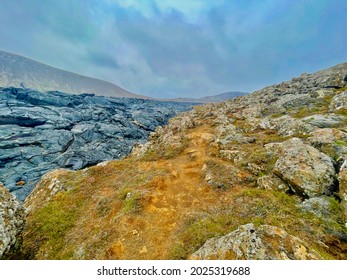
point(20, 183)
point(207, 137)
point(134, 232)
point(143, 250)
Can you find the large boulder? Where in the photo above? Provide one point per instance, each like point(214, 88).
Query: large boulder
point(306, 170)
point(263, 243)
point(339, 102)
point(323, 121)
point(330, 141)
point(12, 217)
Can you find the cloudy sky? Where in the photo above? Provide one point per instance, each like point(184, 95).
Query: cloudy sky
point(190, 48)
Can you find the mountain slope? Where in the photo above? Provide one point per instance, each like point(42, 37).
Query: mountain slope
point(19, 71)
point(212, 98)
point(261, 176)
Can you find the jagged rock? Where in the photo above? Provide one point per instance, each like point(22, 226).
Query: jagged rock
point(289, 126)
point(330, 141)
point(263, 243)
point(12, 216)
point(339, 102)
point(44, 131)
point(324, 136)
point(323, 121)
point(230, 133)
point(306, 170)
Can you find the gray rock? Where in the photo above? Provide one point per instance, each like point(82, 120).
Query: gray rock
point(339, 102)
point(320, 206)
point(250, 243)
point(12, 217)
point(332, 142)
point(323, 121)
point(44, 131)
point(306, 170)
point(288, 126)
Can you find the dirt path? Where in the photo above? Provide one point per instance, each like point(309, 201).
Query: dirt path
point(175, 200)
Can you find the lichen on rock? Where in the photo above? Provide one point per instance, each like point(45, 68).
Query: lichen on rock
point(12, 216)
point(256, 243)
point(305, 169)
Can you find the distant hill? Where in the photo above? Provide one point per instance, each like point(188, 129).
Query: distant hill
point(213, 98)
point(19, 71)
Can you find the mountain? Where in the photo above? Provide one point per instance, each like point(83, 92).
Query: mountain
point(19, 71)
point(260, 176)
point(212, 98)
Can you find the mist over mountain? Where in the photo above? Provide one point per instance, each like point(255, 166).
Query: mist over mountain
point(19, 71)
point(211, 98)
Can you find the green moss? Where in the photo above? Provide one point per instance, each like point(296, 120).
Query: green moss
point(130, 201)
point(166, 151)
point(250, 205)
point(51, 224)
point(131, 204)
point(196, 232)
point(341, 143)
point(259, 156)
point(319, 106)
point(339, 90)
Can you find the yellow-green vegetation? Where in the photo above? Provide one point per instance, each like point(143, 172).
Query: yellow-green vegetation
point(51, 224)
point(261, 159)
point(130, 201)
point(166, 151)
point(319, 106)
point(341, 143)
point(101, 193)
point(339, 90)
point(251, 205)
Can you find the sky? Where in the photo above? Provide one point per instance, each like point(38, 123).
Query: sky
point(190, 48)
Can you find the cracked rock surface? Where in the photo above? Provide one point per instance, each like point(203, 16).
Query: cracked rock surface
point(40, 131)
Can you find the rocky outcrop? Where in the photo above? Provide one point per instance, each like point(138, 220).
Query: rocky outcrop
point(339, 102)
point(44, 131)
point(324, 121)
point(306, 170)
point(251, 243)
point(12, 216)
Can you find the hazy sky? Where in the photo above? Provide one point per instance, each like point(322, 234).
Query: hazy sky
point(179, 48)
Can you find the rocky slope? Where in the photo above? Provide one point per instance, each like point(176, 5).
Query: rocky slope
point(44, 131)
point(12, 217)
point(212, 98)
point(261, 176)
point(19, 71)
